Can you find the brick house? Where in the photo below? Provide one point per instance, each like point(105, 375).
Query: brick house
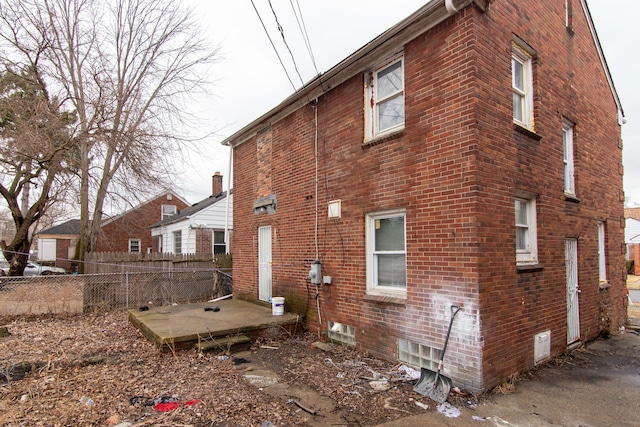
point(201, 228)
point(483, 169)
point(130, 231)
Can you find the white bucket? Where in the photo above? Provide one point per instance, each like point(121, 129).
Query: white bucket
point(277, 306)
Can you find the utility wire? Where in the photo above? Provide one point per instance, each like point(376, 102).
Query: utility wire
point(284, 40)
point(303, 30)
point(273, 46)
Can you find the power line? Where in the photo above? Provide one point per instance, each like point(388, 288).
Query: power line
point(273, 46)
point(284, 40)
point(303, 31)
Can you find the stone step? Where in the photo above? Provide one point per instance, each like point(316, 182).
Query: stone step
point(232, 343)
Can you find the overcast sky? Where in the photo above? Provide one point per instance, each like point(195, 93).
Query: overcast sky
point(250, 80)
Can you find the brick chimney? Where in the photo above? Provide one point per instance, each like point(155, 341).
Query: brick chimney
point(216, 184)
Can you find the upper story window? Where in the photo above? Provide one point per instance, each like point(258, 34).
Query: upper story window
point(386, 254)
point(567, 144)
point(526, 235)
point(384, 99)
point(522, 86)
point(168, 210)
point(134, 245)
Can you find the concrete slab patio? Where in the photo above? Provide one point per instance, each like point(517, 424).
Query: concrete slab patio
point(177, 327)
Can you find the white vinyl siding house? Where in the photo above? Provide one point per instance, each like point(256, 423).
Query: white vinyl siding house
point(202, 217)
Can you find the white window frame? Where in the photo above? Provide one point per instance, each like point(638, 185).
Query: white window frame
point(168, 215)
point(529, 253)
point(372, 275)
point(520, 56)
point(373, 102)
point(136, 242)
point(602, 253)
point(177, 242)
point(569, 164)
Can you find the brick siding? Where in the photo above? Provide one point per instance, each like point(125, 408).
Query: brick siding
point(455, 170)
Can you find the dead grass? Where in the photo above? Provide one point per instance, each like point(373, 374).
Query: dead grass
point(103, 358)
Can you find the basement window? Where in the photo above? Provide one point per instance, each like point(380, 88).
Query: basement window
point(341, 333)
point(418, 355)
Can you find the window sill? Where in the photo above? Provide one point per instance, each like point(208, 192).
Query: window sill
point(571, 198)
point(387, 299)
point(529, 268)
point(383, 138)
point(528, 132)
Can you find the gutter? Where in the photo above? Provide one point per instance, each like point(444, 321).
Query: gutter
point(418, 23)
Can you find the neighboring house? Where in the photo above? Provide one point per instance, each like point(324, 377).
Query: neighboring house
point(58, 244)
point(632, 237)
point(200, 228)
point(469, 155)
point(131, 230)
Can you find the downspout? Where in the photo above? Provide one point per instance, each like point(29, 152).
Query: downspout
point(316, 227)
point(226, 217)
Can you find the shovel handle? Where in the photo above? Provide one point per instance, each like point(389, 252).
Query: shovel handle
point(454, 310)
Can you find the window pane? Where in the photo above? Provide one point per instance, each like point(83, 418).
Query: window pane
point(518, 106)
point(389, 234)
point(521, 213)
point(390, 113)
point(391, 270)
point(518, 74)
point(522, 237)
point(390, 80)
point(218, 237)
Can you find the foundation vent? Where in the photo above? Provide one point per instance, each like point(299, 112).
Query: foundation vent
point(541, 347)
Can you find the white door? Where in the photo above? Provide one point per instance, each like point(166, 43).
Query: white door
point(264, 263)
point(573, 314)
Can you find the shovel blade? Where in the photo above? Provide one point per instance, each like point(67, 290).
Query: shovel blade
point(433, 385)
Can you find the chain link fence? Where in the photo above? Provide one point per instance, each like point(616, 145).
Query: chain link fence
point(76, 294)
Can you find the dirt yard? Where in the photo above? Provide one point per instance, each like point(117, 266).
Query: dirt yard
point(100, 371)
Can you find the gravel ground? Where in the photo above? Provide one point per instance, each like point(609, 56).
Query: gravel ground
point(99, 370)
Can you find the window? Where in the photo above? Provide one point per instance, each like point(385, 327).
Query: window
point(567, 143)
point(526, 239)
point(168, 210)
point(602, 260)
point(219, 247)
point(134, 245)
point(384, 99)
point(386, 254)
point(522, 84)
point(177, 242)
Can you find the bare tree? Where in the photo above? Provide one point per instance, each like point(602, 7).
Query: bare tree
point(34, 144)
point(127, 68)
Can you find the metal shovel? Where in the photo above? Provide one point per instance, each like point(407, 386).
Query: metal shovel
point(433, 384)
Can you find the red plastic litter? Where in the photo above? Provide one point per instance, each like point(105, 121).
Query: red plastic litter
point(166, 407)
point(170, 406)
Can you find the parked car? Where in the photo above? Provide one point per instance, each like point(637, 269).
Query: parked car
point(35, 269)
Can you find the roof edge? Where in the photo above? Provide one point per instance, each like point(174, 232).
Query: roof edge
point(425, 18)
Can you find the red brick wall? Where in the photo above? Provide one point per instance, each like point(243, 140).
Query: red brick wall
point(135, 225)
point(455, 170)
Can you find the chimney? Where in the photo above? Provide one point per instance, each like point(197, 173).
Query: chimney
point(216, 184)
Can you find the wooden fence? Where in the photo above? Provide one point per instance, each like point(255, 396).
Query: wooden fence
point(120, 262)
